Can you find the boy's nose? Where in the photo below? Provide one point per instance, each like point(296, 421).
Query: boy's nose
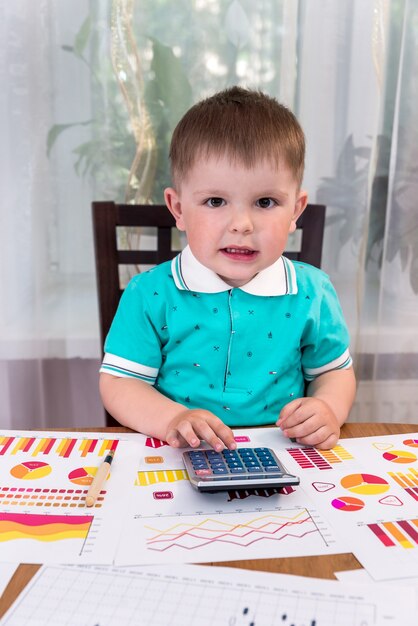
point(241, 221)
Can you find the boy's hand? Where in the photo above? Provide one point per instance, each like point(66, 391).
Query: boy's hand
point(192, 425)
point(310, 421)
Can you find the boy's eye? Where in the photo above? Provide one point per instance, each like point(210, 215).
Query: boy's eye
point(265, 203)
point(215, 202)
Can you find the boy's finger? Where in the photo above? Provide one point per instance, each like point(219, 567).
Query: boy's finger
point(226, 435)
point(185, 430)
point(207, 433)
point(289, 409)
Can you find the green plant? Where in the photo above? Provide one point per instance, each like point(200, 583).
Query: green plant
point(109, 151)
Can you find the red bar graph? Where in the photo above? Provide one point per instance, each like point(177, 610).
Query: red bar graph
point(380, 534)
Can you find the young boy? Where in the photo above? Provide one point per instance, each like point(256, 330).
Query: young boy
point(230, 333)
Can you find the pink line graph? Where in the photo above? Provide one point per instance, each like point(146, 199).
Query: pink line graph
point(236, 534)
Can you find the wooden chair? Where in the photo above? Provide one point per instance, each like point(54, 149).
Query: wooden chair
point(108, 217)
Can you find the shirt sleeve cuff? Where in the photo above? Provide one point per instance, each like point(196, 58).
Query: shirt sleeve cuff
point(343, 362)
point(124, 368)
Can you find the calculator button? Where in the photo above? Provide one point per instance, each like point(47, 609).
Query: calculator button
point(203, 472)
point(199, 465)
point(272, 468)
point(237, 470)
point(256, 469)
point(220, 470)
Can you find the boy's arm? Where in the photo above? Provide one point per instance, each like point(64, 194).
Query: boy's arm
point(316, 419)
point(139, 406)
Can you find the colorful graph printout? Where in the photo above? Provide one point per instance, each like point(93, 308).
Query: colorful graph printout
point(60, 446)
point(308, 458)
point(31, 470)
point(365, 484)
point(47, 498)
point(44, 483)
point(228, 534)
point(160, 476)
point(408, 481)
point(413, 443)
point(43, 527)
point(403, 533)
point(400, 456)
point(191, 595)
point(82, 475)
point(346, 503)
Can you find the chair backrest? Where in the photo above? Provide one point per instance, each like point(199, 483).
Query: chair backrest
point(108, 217)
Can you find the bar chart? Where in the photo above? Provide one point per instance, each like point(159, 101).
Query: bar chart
point(65, 447)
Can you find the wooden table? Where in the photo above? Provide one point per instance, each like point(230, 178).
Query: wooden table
point(315, 566)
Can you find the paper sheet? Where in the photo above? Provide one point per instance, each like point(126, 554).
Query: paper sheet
point(171, 522)
point(44, 480)
point(368, 490)
point(208, 596)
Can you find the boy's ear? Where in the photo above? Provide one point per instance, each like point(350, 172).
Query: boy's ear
point(300, 206)
point(173, 202)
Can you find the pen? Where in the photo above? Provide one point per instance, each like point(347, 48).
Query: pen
point(99, 479)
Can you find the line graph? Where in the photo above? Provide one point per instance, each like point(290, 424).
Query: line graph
point(192, 535)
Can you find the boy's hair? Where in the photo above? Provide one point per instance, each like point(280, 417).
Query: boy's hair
point(243, 125)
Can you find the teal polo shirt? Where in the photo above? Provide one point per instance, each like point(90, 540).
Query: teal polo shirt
point(241, 353)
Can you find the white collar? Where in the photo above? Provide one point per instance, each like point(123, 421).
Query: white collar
point(189, 274)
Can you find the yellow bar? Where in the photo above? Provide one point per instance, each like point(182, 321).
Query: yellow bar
point(20, 444)
point(406, 478)
point(342, 453)
point(400, 479)
point(85, 444)
point(144, 479)
point(63, 447)
point(105, 446)
point(398, 535)
point(414, 475)
point(40, 447)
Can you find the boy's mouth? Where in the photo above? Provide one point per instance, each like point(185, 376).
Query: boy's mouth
point(235, 252)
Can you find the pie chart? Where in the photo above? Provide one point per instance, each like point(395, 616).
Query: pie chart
point(365, 484)
point(411, 442)
point(82, 475)
point(346, 503)
point(31, 470)
point(400, 456)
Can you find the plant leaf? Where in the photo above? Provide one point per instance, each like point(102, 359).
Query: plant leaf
point(82, 37)
point(56, 130)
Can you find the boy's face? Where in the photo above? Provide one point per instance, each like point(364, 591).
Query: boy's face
point(237, 220)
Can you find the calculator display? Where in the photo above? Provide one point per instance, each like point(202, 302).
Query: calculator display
point(244, 468)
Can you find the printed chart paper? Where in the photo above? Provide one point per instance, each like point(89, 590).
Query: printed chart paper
point(171, 522)
point(44, 480)
point(368, 490)
point(208, 596)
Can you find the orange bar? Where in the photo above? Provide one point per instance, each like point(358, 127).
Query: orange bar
point(396, 533)
point(400, 479)
point(39, 448)
point(62, 448)
point(19, 445)
point(84, 447)
point(105, 446)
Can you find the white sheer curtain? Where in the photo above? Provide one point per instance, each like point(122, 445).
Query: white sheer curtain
point(349, 71)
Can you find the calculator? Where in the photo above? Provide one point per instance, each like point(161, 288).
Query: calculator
point(244, 468)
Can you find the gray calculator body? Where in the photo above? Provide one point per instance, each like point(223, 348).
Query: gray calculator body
point(244, 468)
